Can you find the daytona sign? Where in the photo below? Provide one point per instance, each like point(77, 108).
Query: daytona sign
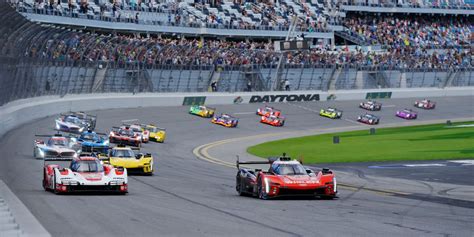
point(284, 98)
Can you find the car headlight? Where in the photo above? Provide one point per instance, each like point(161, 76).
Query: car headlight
point(57, 125)
point(75, 155)
point(335, 184)
point(41, 153)
point(267, 185)
point(106, 142)
point(81, 129)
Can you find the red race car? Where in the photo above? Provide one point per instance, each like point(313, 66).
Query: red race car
point(267, 111)
point(273, 120)
point(285, 177)
point(125, 136)
point(425, 104)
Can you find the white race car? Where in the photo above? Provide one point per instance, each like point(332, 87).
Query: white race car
point(85, 173)
point(71, 123)
point(57, 146)
point(138, 131)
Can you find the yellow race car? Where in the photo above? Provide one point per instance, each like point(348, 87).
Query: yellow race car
point(155, 133)
point(124, 156)
point(202, 111)
point(331, 113)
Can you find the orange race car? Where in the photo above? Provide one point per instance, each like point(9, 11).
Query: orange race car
point(277, 121)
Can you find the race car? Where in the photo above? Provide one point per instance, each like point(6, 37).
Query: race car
point(267, 110)
point(273, 120)
point(90, 120)
point(225, 120)
point(123, 156)
point(155, 133)
point(138, 131)
point(368, 119)
point(331, 113)
point(425, 104)
point(71, 123)
point(371, 105)
point(406, 114)
point(57, 146)
point(85, 173)
point(92, 142)
point(202, 111)
point(285, 177)
point(124, 135)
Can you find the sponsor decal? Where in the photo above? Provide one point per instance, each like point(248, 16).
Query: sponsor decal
point(194, 100)
point(379, 95)
point(238, 100)
point(284, 98)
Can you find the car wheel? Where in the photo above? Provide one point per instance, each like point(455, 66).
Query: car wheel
point(261, 193)
point(238, 186)
point(55, 191)
point(45, 185)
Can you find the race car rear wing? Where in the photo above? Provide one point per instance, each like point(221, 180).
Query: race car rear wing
point(270, 160)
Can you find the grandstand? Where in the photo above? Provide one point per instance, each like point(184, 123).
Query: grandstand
point(195, 43)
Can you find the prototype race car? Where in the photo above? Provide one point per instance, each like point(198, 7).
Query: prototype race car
point(273, 120)
point(57, 146)
point(285, 177)
point(124, 135)
point(369, 119)
point(267, 111)
point(406, 114)
point(225, 120)
point(202, 111)
point(425, 104)
point(71, 123)
point(138, 131)
point(371, 105)
point(89, 119)
point(91, 142)
point(123, 156)
point(331, 113)
point(155, 133)
point(85, 173)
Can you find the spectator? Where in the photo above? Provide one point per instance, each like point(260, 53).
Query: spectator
point(287, 85)
point(214, 86)
point(249, 86)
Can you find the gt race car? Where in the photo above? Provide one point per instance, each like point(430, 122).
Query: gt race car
point(124, 135)
point(267, 111)
point(92, 142)
point(368, 119)
point(273, 120)
point(406, 114)
point(285, 177)
point(371, 105)
point(225, 120)
point(71, 123)
point(123, 156)
point(202, 111)
point(57, 146)
point(425, 104)
point(85, 173)
point(155, 133)
point(331, 113)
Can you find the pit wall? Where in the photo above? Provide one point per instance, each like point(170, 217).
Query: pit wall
point(24, 111)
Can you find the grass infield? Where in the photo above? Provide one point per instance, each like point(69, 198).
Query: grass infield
point(426, 142)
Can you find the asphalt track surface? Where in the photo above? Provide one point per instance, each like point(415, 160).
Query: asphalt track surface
point(191, 197)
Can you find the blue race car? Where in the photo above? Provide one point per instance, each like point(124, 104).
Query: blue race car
point(91, 142)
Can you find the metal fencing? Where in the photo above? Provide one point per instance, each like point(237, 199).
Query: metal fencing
point(30, 78)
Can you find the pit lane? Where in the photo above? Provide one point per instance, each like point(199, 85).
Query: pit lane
point(188, 196)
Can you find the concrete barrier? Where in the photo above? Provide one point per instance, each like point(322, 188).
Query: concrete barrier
point(23, 111)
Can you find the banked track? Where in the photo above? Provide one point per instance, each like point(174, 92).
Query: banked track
point(188, 196)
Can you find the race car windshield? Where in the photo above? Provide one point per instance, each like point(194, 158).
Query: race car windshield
point(126, 132)
point(123, 153)
point(289, 169)
point(57, 142)
point(87, 166)
point(135, 129)
point(73, 120)
point(152, 129)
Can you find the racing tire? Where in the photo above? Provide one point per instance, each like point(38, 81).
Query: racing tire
point(282, 123)
point(45, 187)
point(34, 153)
point(238, 186)
point(261, 194)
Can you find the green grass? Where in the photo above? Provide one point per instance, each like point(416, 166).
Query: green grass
point(426, 142)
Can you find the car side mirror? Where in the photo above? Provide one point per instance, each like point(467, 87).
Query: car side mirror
point(138, 156)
